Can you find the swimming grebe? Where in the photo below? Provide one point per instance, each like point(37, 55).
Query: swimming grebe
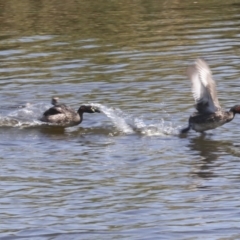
point(209, 114)
point(64, 116)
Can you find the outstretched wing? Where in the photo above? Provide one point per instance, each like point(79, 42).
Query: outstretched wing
point(203, 87)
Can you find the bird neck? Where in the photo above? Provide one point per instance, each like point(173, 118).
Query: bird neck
point(235, 109)
point(80, 113)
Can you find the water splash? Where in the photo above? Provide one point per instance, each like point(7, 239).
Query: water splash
point(117, 117)
point(128, 124)
point(28, 115)
point(23, 115)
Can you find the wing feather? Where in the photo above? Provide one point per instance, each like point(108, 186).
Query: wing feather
point(203, 87)
point(53, 111)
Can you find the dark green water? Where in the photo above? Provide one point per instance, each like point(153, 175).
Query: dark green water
point(124, 173)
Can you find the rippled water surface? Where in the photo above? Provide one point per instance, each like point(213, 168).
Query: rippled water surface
point(124, 173)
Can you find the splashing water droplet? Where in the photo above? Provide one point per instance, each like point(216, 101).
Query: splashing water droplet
point(23, 116)
point(128, 124)
point(116, 116)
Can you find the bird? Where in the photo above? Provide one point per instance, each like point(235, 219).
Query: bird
point(62, 115)
point(209, 113)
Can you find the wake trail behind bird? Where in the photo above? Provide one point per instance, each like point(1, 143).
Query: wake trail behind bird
point(128, 124)
point(28, 115)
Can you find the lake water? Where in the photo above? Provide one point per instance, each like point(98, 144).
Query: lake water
point(124, 173)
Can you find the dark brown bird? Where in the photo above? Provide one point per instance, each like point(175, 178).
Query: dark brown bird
point(209, 114)
point(62, 115)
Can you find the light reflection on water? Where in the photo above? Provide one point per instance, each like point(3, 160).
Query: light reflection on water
point(124, 173)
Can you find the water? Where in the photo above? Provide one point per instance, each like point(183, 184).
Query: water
point(124, 173)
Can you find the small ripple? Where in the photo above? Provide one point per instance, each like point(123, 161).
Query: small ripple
point(10, 52)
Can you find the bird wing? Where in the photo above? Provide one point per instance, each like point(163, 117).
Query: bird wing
point(203, 87)
point(53, 111)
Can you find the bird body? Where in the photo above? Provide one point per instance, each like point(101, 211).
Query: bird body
point(201, 123)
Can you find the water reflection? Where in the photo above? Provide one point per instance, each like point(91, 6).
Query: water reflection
point(209, 151)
